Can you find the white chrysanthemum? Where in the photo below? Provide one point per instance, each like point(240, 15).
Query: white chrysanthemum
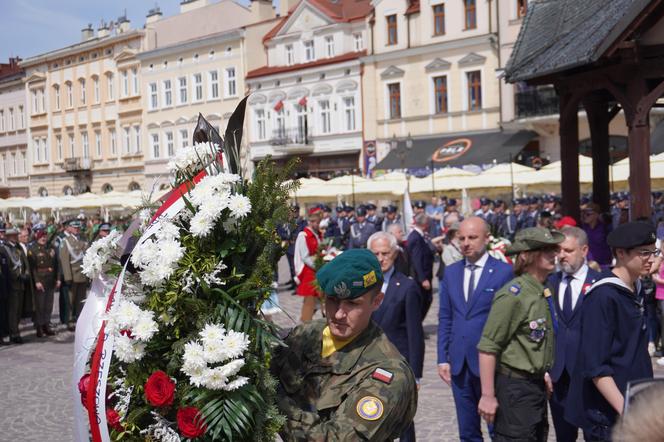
point(232, 368)
point(167, 231)
point(214, 352)
point(170, 252)
point(239, 205)
point(152, 275)
point(200, 225)
point(193, 358)
point(240, 381)
point(145, 327)
point(191, 158)
point(212, 333)
point(128, 350)
point(99, 253)
point(145, 215)
point(235, 343)
point(215, 379)
point(123, 314)
point(228, 177)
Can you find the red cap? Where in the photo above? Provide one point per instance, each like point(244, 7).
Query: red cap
point(39, 233)
point(566, 221)
point(314, 210)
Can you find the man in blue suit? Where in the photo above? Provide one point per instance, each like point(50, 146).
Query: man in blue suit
point(569, 286)
point(466, 294)
point(399, 315)
point(421, 254)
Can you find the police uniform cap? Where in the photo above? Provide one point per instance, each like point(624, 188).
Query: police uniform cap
point(499, 202)
point(420, 204)
point(632, 234)
point(74, 223)
point(105, 226)
point(452, 202)
point(349, 208)
point(327, 208)
point(534, 238)
point(361, 211)
point(485, 201)
point(339, 209)
point(371, 206)
point(38, 226)
point(350, 275)
point(391, 208)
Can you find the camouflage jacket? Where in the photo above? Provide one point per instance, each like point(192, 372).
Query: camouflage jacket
point(364, 391)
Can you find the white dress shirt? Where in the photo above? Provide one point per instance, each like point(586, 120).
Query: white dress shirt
point(577, 285)
point(480, 263)
point(386, 279)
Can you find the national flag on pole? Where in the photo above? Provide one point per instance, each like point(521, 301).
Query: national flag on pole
point(303, 102)
point(279, 106)
point(407, 212)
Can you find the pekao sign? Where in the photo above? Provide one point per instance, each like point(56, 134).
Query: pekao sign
point(451, 150)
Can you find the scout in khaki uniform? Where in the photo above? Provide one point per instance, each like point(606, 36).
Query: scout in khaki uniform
point(516, 348)
point(341, 379)
point(44, 266)
point(71, 254)
point(18, 277)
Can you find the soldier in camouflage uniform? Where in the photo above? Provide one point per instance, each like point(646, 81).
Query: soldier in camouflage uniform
point(342, 380)
point(517, 344)
point(71, 254)
point(18, 277)
point(44, 266)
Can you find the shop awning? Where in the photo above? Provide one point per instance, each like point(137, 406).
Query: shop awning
point(458, 150)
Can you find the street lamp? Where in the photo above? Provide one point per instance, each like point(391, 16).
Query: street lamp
point(402, 153)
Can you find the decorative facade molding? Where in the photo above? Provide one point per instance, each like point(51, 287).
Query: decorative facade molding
point(437, 64)
point(392, 72)
point(472, 59)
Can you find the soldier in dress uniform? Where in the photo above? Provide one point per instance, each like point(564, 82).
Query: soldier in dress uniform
point(18, 278)
point(391, 217)
point(372, 217)
point(44, 267)
point(532, 213)
point(485, 211)
point(71, 254)
point(361, 230)
point(499, 216)
point(340, 379)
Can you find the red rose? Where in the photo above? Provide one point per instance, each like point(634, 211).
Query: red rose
point(190, 422)
point(83, 385)
point(159, 389)
point(113, 419)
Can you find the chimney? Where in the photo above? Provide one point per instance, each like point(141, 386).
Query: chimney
point(87, 33)
point(262, 10)
point(103, 30)
point(123, 24)
point(154, 15)
point(190, 5)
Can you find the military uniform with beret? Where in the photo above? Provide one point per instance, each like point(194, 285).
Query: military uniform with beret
point(364, 390)
point(520, 333)
point(613, 339)
point(43, 261)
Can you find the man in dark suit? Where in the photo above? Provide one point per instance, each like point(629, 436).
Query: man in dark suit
point(399, 315)
point(466, 294)
point(421, 254)
point(569, 286)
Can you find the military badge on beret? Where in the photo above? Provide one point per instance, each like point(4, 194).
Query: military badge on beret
point(370, 408)
point(341, 290)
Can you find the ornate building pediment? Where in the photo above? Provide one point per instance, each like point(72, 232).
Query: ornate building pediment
point(472, 59)
point(322, 89)
point(392, 72)
point(437, 64)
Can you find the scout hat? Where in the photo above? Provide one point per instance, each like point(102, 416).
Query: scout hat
point(350, 275)
point(630, 235)
point(534, 238)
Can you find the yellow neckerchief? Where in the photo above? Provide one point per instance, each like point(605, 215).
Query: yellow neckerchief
point(331, 344)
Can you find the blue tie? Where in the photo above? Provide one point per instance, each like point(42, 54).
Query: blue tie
point(567, 299)
point(471, 281)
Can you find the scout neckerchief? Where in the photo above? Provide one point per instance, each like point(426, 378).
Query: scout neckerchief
point(331, 344)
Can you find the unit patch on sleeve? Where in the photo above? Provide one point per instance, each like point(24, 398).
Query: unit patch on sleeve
point(370, 408)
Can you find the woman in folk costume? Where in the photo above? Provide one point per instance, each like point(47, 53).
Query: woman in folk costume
point(306, 247)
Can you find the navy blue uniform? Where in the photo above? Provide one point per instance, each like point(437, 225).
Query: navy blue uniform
point(421, 259)
point(359, 234)
point(614, 342)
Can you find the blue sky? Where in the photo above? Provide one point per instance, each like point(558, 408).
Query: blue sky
point(32, 27)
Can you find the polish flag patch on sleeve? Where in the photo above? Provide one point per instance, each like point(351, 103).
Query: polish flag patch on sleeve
point(382, 375)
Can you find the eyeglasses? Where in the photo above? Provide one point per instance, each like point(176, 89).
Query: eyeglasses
point(648, 253)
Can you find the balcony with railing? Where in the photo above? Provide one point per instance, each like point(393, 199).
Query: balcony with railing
point(292, 140)
point(536, 102)
point(77, 164)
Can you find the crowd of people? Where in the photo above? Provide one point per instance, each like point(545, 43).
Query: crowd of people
point(40, 265)
point(536, 308)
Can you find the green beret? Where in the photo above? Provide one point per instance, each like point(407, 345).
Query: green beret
point(350, 274)
point(534, 238)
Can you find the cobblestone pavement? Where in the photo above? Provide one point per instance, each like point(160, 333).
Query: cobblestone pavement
point(36, 404)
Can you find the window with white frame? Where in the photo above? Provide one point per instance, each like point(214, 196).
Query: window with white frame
point(280, 123)
point(290, 55)
point(137, 139)
point(98, 144)
point(95, 90)
point(56, 96)
point(81, 85)
point(349, 113)
point(86, 145)
point(72, 147)
point(14, 165)
point(325, 118)
point(231, 85)
point(70, 95)
point(58, 146)
point(168, 93)
point(155, 146)
point(329, 45)
point(309, 54)
point(213, 85)
point(42, 100)
point(260, 124)
point(33, 95)
point(113, 141)
point(37, 150)
point(184, 138)
point(12, 121)
point(126, 145)
point(182, 82)
point(7, 165)
point(45, 153)
point(125, 83)
point(110, 92)
point(2, 121)
point(198, 87)
point(134, 81)
point(358, 42)
point(170, 144)
point(21, 117)
point(21, 163)
point(154, 100)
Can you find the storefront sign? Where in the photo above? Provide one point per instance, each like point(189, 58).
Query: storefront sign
point(451, 150)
